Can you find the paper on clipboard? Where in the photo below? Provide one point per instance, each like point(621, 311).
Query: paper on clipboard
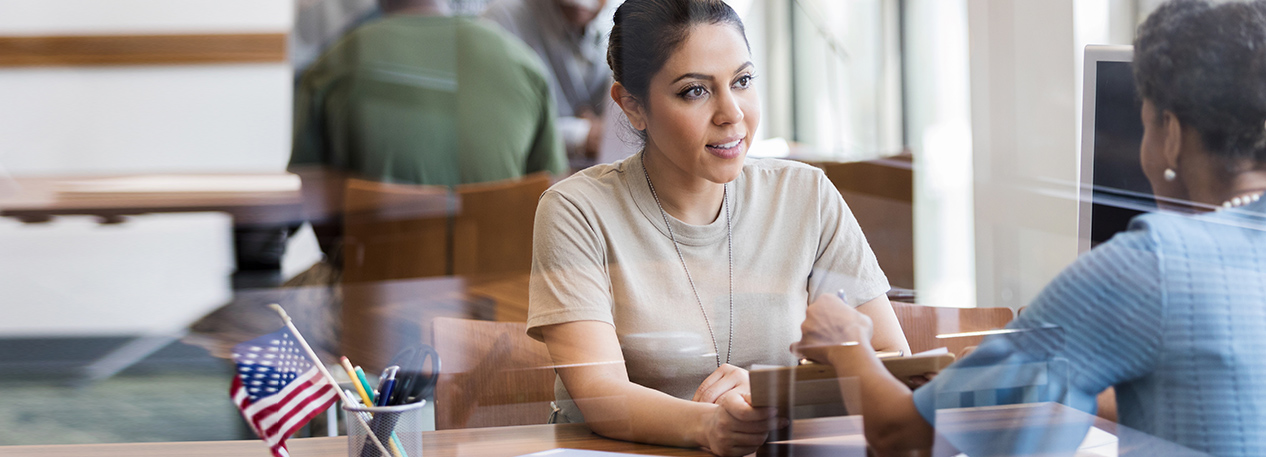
point(814, 384)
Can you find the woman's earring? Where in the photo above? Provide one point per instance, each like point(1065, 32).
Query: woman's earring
point(1170, 174)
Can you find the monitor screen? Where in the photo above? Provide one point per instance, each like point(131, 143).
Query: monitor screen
point(1120, 190)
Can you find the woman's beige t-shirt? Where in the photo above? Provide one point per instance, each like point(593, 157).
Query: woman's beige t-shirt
point(602, 253)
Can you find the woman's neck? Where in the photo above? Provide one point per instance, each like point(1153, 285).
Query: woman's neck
point(1214, 184)
point(690, 199)
point(1241, 185)
point(420, 8)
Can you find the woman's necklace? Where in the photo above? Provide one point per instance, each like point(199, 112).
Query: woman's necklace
point(1238, 201)
point(729, 239)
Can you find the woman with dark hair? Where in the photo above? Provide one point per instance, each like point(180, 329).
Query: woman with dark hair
point(656, 277)
point(1172, 313)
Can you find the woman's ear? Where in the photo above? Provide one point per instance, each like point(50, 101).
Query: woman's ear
point(630, 105)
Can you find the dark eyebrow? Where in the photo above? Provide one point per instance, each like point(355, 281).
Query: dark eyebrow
point(709, 78)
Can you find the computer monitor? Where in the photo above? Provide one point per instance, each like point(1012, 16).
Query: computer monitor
point(1113, 188)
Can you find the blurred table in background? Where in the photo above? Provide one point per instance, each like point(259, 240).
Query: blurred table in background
point(263, 199)
point(398, 314)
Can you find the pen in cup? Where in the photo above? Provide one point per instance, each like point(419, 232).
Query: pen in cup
point(386, 384)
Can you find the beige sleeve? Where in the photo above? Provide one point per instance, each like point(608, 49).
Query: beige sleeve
point(569, 270)
point(844, 261)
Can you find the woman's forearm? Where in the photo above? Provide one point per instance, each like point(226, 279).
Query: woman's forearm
point(589, 361)
point(630, 412)
point(888, 335)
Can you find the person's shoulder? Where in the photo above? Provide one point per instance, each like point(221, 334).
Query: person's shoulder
point(780, 167)
point(507, 12)
point(1164, 227)
point(587, 183)
point(774, 172)
point(488, 38)
point(597, 188)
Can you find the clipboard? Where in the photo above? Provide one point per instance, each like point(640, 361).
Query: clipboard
point(816, 384)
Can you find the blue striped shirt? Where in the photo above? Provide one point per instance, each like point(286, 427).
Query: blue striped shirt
point(1171, 312)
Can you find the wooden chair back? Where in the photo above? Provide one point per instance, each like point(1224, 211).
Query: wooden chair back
point(493, 232)
point(922, 325)
point(880, 193)
point(493, 374)
point(395, 231)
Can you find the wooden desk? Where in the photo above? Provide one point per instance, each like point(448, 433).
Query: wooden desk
point(833, 436)
point(37, 199)
point(478, 442)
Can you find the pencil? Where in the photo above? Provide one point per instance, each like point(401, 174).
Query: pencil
point(351, 373)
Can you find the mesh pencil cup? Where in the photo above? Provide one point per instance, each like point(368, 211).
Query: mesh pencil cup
point(399, 428)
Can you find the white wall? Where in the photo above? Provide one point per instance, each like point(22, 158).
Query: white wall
point(111, 119)
point(938, 126)
point(151, 274)
point(148, 275)
point(1024, 128)
point(97, 17)
point(848, 77)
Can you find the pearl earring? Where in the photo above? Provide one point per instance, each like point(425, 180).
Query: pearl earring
point(1170, 174)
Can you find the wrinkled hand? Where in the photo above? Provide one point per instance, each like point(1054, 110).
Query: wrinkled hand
point(735, 428)
point(830, 323)
point(725, 379)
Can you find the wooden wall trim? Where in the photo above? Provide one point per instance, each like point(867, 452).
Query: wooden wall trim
point(37, 51)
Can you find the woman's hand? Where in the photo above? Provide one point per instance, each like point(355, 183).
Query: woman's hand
point(830, 323)
point(725, 379)
point(735, 428)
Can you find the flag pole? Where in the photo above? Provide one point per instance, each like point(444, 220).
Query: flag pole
point(326, 373)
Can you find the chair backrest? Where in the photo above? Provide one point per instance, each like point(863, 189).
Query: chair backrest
point(493, 232)
point(493, 374)
point(880, 193)
point(922, 324)
point(395, 231)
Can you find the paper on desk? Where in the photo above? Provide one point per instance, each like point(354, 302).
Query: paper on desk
point(564, 452)
point(937, 351)
point(1098, 443)
point(279, 182)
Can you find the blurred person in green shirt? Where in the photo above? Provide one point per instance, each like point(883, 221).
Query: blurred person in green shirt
point(420, 97)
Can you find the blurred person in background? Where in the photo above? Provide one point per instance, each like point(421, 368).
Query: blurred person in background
point(421, 97)
point(570, 36)
point(1172, 312)
point(320, 23)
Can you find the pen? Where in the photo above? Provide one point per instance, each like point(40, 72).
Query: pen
point(360, 374)
point(386, 384)
point(353, 396)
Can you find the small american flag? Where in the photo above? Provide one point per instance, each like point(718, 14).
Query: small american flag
point(277, 388)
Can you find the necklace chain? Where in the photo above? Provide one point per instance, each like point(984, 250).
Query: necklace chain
point(729, 239)
point(1242, 200)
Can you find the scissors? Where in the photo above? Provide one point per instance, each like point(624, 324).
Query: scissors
point(416, 379)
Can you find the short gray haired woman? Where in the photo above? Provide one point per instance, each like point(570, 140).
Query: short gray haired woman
point(1172, 313)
